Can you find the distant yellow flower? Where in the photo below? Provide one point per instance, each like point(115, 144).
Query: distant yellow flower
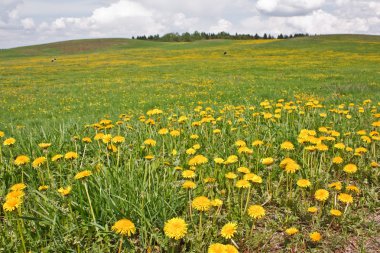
point(83, 174)
point(321, 195)
point(106, 138)
point(124, 227)
point(231, 175)
point(244, 170)
point(292, 167)
point(191, 151)
point(228, 248)
point(315, 236)
point(242, 184)
point(118, 139)
point(188, 174)
point(43, 187)
point(21, 160)
point(303, 183)
point(56, 158)
point(9, 142)
point(38, 162)
point(339, 146)
point(352, 188)
point(175, 133)
point(201, 203)
point(175, 228)
point(256, 211)
point(64, 191)
point(216, 202)
point(336, 185)
point(337, 160)
point(291, 231)
point(12, 204)
point(218, 160)
point(257, 143)
point(345, 198)
point(98, 136)
point(335, 212)
point(312, 209)
point(198, 160)
point(194, 136)
point(18, 187)
point(163, 131)
point(231, 159)
point(149, 157)
point(150, 142)
point(240, 143)
point(189, 185)
point(44, 145)
point(1, 134)
point(86, 140)
point(71, 155)
point(350, 168)
point(285, 162)
point(267, 161)
point(229, 230)
point(287, 145)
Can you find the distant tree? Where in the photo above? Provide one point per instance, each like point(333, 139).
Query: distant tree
point(265, 36)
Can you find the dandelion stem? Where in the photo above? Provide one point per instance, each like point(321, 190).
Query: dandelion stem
point(89, 201)
point(120, 245)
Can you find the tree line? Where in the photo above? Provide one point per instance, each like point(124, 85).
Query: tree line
point(187, 37)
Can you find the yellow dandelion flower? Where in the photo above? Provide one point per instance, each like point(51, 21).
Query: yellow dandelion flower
point(321, 195)
point(38, 162)
point(312, 209)
point(44, 145)
point(21, 160)
point(228, 248)
point(175, 133)
point(336, 185)
point(189, 185)
point(240, 143)
point(231, 175)
point(124, 227)
point(335, 212)
point(150, 142)
point(198, 160)
point(56, 158)
point(163, 131)
point(256, 211)
point(337, 160)
point(65, 191)
point(257, 143)
point(14, 195)
point(9, 142)
point(291, 231)
point(175, 228)
point(303, 183)
point(315, 236)
point(231, 159)
point(216, 248)
point(244, 170)
point(216, 202)
point(201, 203)
point(229, 230)
point(350, 168)
point(83, 174)
point(218, 160)
point(292, 167)
point(352, 188)
point(18, 187)
point(188, 174)
point(345, 198)
point(43, 187)
point(267, 161)
point(118, 139)
point(71, 155)
point(287, 145)
point(242, 184)
point(12, 204)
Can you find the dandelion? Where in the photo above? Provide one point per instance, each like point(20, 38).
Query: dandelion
point(163, 131)
point(228, 248)
point(291, 231)
point(216, 248)
point(231, 175)
point(321, 195)
point(198, 160)
point(9, 142)
point(315, 236)
point(64, 191)
point(201, 203)
point(150, 142)
point(14, 195)
point(189, 185)
point(218, 160)
point(336, 185)
point(256, 211)
point(229, 230)
point(244, 170)
point(337, 160)
point(175, 228)
point(312, 209)
point(303, 183)
point(216, 202)
point(257, 143)
point(242, 184)
point(86, 140)
point(287, 145)
point(231, 159)
point(56, 157)
point(44, 145)
point(12, 204)
point(175, 133)
point(83, 174)
point(335, 212)
point(345, 198)
point(43, 187)
point(118, 139)
point(124, 227)
point(267, 161)
point(292, 167)
point(188, 174)
point(18, 187)
point(21, 160)
point(352, 188)
point(71, 155)
point(350, 168)
point(38, 162)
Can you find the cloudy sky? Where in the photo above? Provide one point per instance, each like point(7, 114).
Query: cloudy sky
point(26, 22)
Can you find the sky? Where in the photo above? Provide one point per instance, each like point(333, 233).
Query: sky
point(28, 22)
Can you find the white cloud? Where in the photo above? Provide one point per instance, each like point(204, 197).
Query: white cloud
point(223, 25)
point(28, 23)
point(288, 7)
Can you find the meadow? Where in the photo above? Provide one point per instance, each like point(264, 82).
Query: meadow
point(136, 146)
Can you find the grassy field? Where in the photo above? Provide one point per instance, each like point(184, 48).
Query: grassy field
point(135, 146)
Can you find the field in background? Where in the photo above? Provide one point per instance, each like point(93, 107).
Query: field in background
point(273, 147)
point(91, 78)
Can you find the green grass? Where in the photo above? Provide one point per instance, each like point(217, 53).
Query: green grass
point(109, 76)
point(324, 81)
